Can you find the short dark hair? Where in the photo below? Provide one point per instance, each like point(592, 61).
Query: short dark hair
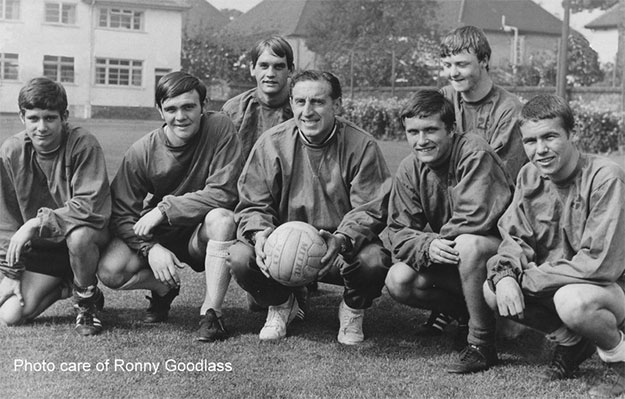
point(278, 46)
point(42, 93)
point(176, 83)
point(466, 38)
point(335, 84)
point(427, 102)
point(548, 106)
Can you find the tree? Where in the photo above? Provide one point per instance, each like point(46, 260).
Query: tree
point(375, 42)
point(214, 57)
point(583, 68)
point(579, 5)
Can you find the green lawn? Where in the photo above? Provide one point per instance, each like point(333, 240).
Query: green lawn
point(308, 363)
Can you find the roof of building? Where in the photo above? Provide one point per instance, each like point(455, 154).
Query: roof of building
point(202, 18)
point(607, 20)
point(158, 4)
point(284, 17)
point(526, 15)
point(289, 17)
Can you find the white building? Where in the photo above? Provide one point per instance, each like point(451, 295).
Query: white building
point(106, 53)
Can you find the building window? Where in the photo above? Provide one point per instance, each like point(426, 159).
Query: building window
point(9, 9)
point(116, 72)
point(61, 13)
point(60, 69)
point(117, 18)
point(8, 66)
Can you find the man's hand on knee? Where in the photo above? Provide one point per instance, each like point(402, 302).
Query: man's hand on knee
point(20, 238)
point(510, 300)
point(164, 264)
point(143, 227)
point(442, 251)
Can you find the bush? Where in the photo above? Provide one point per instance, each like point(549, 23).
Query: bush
point(378, 117)
point(599, 131)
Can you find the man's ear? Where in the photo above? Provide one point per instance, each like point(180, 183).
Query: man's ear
point(21, 115)
point(160, 111)
point(337, 106)
point(251, 69)
point(485, 62)
point(65, 115)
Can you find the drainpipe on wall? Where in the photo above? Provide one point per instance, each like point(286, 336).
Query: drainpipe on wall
point(515, 45)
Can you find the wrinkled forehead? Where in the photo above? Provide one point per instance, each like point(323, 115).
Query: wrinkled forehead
point(311, 89)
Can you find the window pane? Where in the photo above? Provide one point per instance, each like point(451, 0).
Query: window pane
point(69, 14)
point(103, 17)
point(67, 73)
point(100, 75)
point(8, 66)
point(49, 71)
point(52, 12)
point(12, 9)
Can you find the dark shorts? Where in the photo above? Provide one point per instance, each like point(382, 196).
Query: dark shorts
point(49, 258)
point(177, 241)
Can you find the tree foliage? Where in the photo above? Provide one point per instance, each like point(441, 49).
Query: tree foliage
point(214, 57)
point(376, 34)
point(583, 68)
point(581, 5)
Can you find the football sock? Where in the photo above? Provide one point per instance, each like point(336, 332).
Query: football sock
point(616, 354)
point(217, 275)
point(563, 336)
point(84, 292)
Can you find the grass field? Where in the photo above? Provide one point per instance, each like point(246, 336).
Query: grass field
point(308, 363)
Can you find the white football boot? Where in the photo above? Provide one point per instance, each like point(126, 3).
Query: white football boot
point(350, 330)
point(278, 318)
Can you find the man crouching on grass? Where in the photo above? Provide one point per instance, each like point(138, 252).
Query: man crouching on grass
point(172, 205)
point(559, 268)
point(55, 204)
point(458, 185)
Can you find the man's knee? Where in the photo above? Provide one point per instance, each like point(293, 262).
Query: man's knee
point(114, 263)
point(369, 268)
point(400, 280)
point(82, 238)
point(573, 305)
point(219, 224)
point(239, 258)
point(11, 312)
point(474, 251)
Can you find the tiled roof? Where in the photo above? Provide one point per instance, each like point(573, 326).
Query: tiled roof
point(203, 11)
point(526, 15)
point(270, 17)
point(290, 17)
point(607, 20)
point(160, 4)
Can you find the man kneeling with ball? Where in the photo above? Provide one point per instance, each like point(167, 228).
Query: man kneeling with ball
point(319, 169)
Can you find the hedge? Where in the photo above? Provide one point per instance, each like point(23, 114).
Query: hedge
point(598, 131)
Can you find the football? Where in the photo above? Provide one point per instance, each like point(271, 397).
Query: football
point(294, 251)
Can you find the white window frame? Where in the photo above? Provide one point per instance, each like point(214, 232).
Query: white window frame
point(121, 18)
point(118, 72)
point(7, 62)
point(63, 68)
point(15, 10)
point(65, 13)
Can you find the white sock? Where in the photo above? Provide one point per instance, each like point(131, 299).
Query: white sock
point(217, 275)
point(563, 336)
point(616, 354)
